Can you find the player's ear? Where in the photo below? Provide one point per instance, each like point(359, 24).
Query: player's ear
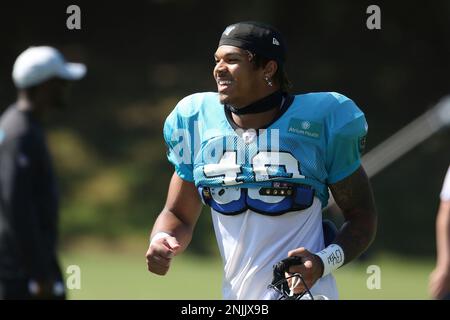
point(270, 69)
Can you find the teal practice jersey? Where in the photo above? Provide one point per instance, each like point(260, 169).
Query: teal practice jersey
point(316, 141)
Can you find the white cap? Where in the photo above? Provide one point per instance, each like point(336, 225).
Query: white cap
point(38, 64)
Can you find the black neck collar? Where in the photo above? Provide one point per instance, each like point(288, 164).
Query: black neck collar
point(267, 103)
point(288, 100)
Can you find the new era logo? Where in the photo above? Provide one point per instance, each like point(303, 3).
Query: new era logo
point(275, 42)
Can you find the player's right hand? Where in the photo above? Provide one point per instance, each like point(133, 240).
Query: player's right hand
point(160, 254)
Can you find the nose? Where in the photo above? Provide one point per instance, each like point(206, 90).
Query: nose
point(219, 68)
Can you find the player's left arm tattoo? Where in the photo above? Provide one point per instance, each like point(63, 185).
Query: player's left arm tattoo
point(354, 197)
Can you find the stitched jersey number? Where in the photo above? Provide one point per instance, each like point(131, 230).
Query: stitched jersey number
point(265, 166)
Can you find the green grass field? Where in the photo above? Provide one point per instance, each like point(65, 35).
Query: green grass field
point(123, 275)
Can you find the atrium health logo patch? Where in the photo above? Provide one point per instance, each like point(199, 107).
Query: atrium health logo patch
point(305, 128)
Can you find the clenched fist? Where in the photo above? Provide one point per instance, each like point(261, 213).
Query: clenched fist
point(160, 254)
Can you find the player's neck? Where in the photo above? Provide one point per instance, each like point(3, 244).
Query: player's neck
point(258, 119)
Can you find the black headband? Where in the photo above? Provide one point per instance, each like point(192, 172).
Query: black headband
point(256, 37)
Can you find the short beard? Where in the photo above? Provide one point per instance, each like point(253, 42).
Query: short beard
point(223, 99)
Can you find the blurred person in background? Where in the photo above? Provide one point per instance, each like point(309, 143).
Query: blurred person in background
point(439, 285)
point(29, 267)
point(263, 160)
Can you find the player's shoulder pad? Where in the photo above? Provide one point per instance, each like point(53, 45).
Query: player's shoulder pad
point(324, 103)
point(343, 110)
point(188, 109)
point(191, 105)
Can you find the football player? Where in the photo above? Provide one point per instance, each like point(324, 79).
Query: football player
point(263, 160)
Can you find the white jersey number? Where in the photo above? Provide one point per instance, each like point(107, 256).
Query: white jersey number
point(263, 163)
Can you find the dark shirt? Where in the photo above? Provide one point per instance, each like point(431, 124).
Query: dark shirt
point(28, 200)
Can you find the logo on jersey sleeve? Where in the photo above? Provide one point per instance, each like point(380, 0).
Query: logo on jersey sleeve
point(362, 143)
point(305, 128)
